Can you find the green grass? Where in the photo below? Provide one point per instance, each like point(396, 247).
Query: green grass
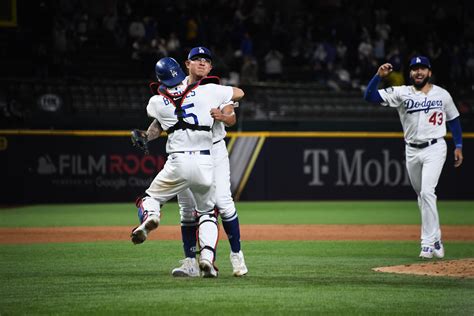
point(285, 278)
point(350, 212)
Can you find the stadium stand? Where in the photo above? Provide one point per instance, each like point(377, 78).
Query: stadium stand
point(94, 60)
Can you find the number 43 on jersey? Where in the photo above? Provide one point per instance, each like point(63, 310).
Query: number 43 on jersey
point(436, 118)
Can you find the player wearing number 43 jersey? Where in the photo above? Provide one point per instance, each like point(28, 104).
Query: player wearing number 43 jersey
point(424, 109)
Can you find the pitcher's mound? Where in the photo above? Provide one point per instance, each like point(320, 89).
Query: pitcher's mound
point(463, 268)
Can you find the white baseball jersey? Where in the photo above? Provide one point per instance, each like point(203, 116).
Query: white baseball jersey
point(218, 129)
point(423, 116)
point(196, 106)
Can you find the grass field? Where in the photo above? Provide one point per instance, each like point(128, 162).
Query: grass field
point(286, 277)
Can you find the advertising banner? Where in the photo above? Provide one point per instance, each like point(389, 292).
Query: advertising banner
point(77, 169)
point(66, 168)
point(346, 168)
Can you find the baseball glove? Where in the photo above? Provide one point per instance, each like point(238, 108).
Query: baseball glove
point(140, 140)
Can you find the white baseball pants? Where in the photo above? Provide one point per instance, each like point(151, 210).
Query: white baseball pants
point(424, 169)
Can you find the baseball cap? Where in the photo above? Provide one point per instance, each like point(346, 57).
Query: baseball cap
point(200, 51)
point(420, 60)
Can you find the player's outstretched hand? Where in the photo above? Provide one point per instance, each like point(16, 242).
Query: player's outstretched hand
point(458, 158)
point(385, 70)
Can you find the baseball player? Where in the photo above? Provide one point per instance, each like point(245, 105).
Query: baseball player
point(184, 112)
point(424, 109)
point(199, 65)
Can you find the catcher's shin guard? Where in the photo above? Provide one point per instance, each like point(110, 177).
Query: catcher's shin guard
point(208, 233)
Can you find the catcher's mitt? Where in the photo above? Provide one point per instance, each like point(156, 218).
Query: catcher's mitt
point(140, 140)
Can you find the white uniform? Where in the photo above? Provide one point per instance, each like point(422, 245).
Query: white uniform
point(423, 117)
point(223, 195)
point(189, 164)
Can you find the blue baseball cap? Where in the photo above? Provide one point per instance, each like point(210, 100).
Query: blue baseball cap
point(420, 60)
point(200, 51)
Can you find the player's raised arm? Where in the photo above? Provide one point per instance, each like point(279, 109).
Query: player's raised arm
point(372, 94)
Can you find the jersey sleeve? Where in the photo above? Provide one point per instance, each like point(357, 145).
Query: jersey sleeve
point(223, 94)
point(391, 96)
point(223, 105)
point(151, 108)
point(450, 108)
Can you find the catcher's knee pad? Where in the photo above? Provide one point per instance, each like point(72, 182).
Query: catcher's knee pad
point(147, 206)
point(208, 233)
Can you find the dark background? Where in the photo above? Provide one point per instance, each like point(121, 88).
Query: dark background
point(85, 64)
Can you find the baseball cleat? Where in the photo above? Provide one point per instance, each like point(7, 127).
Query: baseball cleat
point(189, 268)
point(426, 252)
point(238, 264)
point(207, 268)
point(438, 250)
point(140, 233)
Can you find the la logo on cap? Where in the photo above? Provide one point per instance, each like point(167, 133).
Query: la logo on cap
point(174, 73)
point(201, 50)
point(418, 60)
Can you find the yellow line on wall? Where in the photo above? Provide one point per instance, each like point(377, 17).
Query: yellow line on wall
point(249, 169)
point(231, 143)
point(229, 134)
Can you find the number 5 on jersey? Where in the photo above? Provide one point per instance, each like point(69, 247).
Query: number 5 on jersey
point(183, 113)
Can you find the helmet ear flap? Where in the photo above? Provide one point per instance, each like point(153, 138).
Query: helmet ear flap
point(169, 72)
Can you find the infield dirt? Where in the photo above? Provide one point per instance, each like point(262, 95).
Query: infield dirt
point(248, 232)
point(455, 268)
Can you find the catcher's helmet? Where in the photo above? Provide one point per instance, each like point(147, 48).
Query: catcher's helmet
point(169, 72)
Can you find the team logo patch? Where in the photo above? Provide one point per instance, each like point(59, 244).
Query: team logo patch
point(174, 73)
point(201, 50)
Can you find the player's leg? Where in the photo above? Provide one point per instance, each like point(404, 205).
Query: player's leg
point(187, 205)
point(149, 217)
point(166, 185)
point(203, 189)
point(433, 158)
point(414, 169)
point(226, 207)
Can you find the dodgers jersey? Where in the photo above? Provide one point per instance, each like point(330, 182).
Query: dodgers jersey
point(197, 106)
point(218, 129)
point(423, 116)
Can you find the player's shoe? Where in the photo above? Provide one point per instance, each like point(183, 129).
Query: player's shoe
point(207, 268)
point(438, 250)
point(238, 264)
point(140, 233)
point(426, 252)
point(189, 268)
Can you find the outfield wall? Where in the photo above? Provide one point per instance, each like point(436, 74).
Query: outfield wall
point(98, 166)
